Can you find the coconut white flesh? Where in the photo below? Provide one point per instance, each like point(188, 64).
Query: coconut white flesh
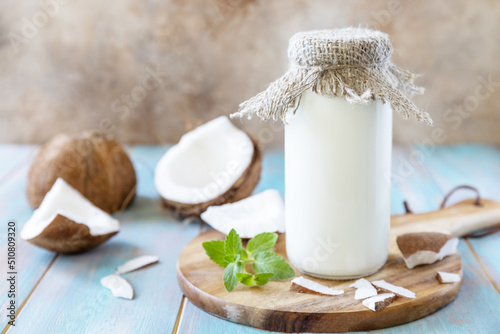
point(399, 291)
point(428, 257)
point(445, 277)
point(364, 289)
point(371, 303)
point(205, 163)
point(263, 212)
point(64, 200)
point(314, 286)
point(118, 286)
point(136, 263)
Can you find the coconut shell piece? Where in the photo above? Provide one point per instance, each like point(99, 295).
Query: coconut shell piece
point(241, 189)
point(136, 263)
point(118, 286)
point(98, 168)
point(65, 236)
point(304, 285)
point(391, 288)
point(379, 302)
point(425, 247)
point(444, 277)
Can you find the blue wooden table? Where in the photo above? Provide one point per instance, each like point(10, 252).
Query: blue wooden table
point(62, 294)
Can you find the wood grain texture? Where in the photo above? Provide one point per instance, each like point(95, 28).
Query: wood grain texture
point(274, 307)
point(70, 298)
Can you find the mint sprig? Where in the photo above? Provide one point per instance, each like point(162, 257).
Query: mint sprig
point(231, 255)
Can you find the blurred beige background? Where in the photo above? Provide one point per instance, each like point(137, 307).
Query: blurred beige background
point(145, 72)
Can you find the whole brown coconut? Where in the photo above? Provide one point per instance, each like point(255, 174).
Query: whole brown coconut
point(98, 168)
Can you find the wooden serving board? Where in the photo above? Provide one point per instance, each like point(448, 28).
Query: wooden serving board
point(273, 307)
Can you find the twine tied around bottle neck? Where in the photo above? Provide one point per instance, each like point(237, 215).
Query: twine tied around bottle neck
point(352, 63)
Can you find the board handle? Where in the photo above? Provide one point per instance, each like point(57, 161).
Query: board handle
point(460, 223)
point(452, 191)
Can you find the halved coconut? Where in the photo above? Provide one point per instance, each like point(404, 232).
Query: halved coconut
point(425, 247)
point(214, 164)
point(98, 168)
point(263, 212)
point(67, 222)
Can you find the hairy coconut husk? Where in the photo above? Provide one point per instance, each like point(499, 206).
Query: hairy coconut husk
point(98, 168)
point(241, 189)
point(65, 236)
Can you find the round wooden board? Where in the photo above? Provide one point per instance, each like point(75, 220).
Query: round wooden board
point(273, 307)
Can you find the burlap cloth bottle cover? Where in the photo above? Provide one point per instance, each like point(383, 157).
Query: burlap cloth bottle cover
point(352, 63)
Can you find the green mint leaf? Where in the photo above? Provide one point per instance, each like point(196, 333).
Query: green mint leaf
point(261, 279)
point(215, 251)
point(243, 254)
point(232, 258)
point(229, 277)
point(267, 262)
point(245, 278)
point(232, 245)
point(263, 242)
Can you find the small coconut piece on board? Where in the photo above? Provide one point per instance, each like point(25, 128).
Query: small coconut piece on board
point(304, 285)
point(67, 222)
point(425, 247)
point(379, 302)
point(397, 290)
point(364, 289)
point(136, 263)
point(444, 277)
point(96, 167)
point(118, 286)
point(213, 164)
point(263, 212)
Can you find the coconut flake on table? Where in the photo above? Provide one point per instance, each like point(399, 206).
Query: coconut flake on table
point(304, 285)
point(263, 212)
point(205, 163)
point(379, 302)
point(118, 286)
point(399, 291)
point(425, 247)
point(364, 289)
point(444, 277)
point(136, 263)
point(55, 220)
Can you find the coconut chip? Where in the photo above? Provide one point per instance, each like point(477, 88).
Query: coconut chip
point(388, 287)
point(364, 289)
point(304, 285)
point(444, 277)
point(136, 263)
point(379, 302)
point(263, 212)
point(425, 247)
point(118, 286)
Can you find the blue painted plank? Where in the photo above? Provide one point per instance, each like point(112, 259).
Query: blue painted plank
point(70, 298)
point(13, 156)
point(31, 262)
point(479, 166)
